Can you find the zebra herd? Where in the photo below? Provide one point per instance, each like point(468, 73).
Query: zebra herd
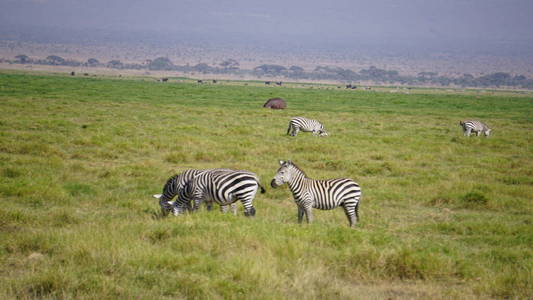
point(226, 186)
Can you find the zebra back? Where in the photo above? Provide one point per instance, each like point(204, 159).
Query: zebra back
point(223, 186)
point(306, 125)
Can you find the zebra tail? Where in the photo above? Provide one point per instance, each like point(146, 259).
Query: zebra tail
point(262, 188)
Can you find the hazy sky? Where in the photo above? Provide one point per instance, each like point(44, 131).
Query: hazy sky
point(328, 20)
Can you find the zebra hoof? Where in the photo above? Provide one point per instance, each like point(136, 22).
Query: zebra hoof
point(250, 212)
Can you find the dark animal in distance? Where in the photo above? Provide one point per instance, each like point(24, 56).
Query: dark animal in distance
point(279, 83)
point(275, 103)
point(267, 82)
point(164, 79)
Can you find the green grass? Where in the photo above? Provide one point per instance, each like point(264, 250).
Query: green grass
point(442, 215)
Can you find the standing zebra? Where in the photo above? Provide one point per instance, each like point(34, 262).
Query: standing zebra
point(222, 186)
point(322, 194)
point(174, 186)
point(476, 126)
point(306, 125)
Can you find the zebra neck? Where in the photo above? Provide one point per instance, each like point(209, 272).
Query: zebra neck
point(295, 184)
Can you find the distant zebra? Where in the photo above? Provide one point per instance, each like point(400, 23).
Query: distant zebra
point(306, 125)
point(476, 126)
point(222, 186)
point(321, 194)
point(173, 187)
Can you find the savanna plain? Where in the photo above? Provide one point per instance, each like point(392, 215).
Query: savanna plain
point(442, 215)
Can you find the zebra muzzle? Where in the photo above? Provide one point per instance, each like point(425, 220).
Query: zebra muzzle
point(273, 183)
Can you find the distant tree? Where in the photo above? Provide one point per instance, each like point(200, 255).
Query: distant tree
point(270, 70)
point(230, 64)
point(202, 67)
point(92, 62)
point(55, 60)
point(115, 64)
point(161, 63)
point(22, 59)
point(296, 69)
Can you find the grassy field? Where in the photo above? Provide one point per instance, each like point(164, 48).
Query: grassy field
point(442, 216)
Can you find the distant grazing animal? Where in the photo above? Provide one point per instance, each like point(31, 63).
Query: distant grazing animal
point(306, 125)
point(164, 79)
point(222, 186)
point(214, 81)
point(275, 103)
point(199, 81)
point(350, 86)
point(279, 83)
point(173, 187)
point(267, 82)
point(72, 73)
point(321, 194)
point(475, 126)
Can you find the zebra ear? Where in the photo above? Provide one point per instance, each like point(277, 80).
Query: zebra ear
point(281, 163)
point(157, 196)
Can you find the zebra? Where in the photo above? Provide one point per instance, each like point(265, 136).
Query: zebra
point(476, 126)
point(174, 186)
point(306, 125)
point(321, 194)
point(222, 186)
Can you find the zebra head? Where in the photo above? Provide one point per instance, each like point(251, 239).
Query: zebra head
point(166, 206)
point(322, 132)
point(487, 132)
point(284, 173)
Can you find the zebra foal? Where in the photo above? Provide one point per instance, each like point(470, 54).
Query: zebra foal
point(306, 125)
point(222, 186)
point(478, 127)
point(321, 194)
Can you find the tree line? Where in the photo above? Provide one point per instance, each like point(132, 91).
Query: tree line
point(232, 66)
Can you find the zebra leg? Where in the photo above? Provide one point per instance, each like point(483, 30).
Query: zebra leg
point(209, 205)
point(309, 214)
point(300, 214)
point(352, 214)
point(250, 212)
point(234, 208)
point(224, 208)
point(467, 132)
point(164, 211)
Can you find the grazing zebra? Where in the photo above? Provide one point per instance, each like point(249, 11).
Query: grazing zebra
point(306, 125)
point(174, 186)
point(476, 126)
point(222, 186)
point(322, 194)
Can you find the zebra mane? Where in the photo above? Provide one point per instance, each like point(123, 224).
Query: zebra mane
point(290, 162)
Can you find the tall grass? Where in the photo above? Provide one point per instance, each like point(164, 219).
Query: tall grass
point(442, 215)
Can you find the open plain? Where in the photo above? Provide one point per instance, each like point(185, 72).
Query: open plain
point(442, 215)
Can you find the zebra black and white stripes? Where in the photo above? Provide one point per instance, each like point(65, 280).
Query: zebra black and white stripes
point(306, 125)
point(321, 194)
point(224, 187)
point(174, 186)
point(478, 127)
